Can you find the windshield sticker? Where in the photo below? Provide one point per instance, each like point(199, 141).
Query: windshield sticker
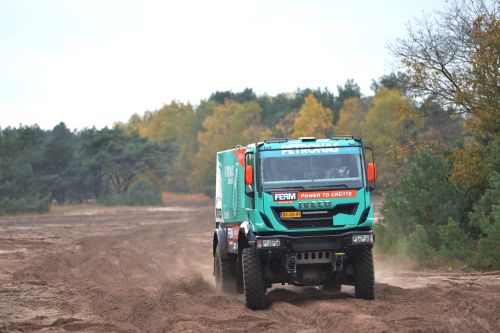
point(308, 150)
point(305, 149)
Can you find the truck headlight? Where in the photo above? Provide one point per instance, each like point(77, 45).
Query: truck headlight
point(263, 243)
point(362, 239)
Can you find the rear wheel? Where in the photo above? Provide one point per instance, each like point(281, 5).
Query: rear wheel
point(239, 277)
point(364, 280)
point(224, 270)
point(253, 280)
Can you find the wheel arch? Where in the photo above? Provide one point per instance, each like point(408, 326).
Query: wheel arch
point(220, 241)
point(246, 237)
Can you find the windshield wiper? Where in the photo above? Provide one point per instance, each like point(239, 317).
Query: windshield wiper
point(330, 186)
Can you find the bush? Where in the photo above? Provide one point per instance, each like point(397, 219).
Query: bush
point(455, 242)
point(113, 199)
point(420, 247)
point(488, 246)
point(31, 203)
point(20, 189)
point(143, 193)
point(384, 237)
point(486, 217)
point(425, 199)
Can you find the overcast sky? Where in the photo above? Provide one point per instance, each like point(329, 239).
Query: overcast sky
point(92, 63)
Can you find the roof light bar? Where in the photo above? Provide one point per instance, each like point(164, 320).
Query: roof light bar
point(276, 140)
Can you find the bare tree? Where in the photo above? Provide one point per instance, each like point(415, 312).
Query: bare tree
point(453, 56)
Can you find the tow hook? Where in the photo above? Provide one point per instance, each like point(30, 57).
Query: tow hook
point(338, 262)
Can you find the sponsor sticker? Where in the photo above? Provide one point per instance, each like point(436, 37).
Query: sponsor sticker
point(327, 194)
point(290, 215)
point(285, 196)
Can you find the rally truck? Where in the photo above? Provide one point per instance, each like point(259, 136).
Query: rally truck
point(294, 212)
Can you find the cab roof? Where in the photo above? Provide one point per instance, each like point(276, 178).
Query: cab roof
point(304, 142)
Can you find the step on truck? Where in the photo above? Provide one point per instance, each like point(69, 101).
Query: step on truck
point(294, 212)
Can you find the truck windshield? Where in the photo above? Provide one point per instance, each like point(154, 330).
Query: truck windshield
point(335, 167)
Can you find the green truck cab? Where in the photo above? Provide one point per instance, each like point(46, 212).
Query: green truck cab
point(294, 212)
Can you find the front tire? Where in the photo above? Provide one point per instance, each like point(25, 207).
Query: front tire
point(364, 279)
point(253, 280)
point(224, 270)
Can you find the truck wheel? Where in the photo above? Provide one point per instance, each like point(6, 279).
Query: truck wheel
point(224, 273)
point(364, 280)
point(239, 277)
point(253, 280)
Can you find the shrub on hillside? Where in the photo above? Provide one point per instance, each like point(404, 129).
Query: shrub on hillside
point(486, 216)
point(20, 190)
point(419, 246)
point(425, 198)
point(140, 193)
point(143, 193)
point(455, 242)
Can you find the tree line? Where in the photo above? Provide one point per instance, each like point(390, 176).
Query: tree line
point(38, 167)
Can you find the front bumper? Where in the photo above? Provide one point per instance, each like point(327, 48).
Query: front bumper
point(294, 242)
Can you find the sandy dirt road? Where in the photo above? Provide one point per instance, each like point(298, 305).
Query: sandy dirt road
point(150, 270)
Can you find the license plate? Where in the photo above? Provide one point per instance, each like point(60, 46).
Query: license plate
point(290, 215)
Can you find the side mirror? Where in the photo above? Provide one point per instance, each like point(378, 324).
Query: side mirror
point(248, 175)
point(371, 172)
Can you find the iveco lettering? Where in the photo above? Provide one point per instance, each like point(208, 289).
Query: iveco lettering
point(294, 212)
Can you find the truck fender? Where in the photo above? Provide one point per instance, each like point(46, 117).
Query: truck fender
point(220, 241)
point(246, 237)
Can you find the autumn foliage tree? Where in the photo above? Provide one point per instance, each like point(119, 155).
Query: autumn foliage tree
point(454, 56)
point(230, 124)
point(452, 60)
point(469, 170)
point(350, 89)
point(178, 123)
point(390, 127)
point(351, 118)
point(313, 119)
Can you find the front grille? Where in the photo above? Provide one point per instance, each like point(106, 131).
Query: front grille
point(311, 219)
point(314, 257)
